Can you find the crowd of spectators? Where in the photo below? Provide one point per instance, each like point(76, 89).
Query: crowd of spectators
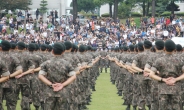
point(102, 33)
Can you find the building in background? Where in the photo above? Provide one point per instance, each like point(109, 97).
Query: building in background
point(61, 6)
point(180, 3)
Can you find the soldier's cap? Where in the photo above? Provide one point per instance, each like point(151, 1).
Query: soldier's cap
point(131, 47)
point(37, 46)
point(89, 47)
point(82, 48)
point(86, 47)
point(140, 46)
point(58, 48)
point(125, 48)
point(74, 47)
point(179, 48)
point(13, 45)
point(147, 44)
point(121, 47)
point(170, 45)
point(5, 45)
point(21, 45)
point(68, 45)
point(31, 47)
point(50, 48)
point(159, 44)
point(43, 47)
point(64, 47)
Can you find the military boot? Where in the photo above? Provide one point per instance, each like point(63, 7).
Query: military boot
point(134, 107)
point(149, 107)
point(119, 93)
point(113, 81)
point(42, 106)
point(93, 88)
point(128, 107)
point(36, 107)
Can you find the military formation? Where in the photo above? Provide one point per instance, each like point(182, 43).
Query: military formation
point(62, 76)
point(58, 77)
point(149, 76)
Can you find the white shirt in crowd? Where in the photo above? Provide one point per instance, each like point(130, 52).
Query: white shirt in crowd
point(165, 33)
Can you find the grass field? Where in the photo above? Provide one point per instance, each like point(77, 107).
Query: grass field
point(105, 97)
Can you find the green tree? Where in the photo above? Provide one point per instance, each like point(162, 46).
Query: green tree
point(75, 10)
point(43, 7)
point(172, 7)
point(14, 4)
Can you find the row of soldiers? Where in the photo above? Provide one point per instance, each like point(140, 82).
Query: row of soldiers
point(58, 77)
point(149, 75)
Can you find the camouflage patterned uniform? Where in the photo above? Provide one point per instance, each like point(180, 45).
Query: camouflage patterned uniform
point(143, 83)
point(128, 81)
point(3, 72)
point(23, 83)
point(56, 70)
point(103, 62)
point(154, 84)
point(169, 96)
point(9, 87)
point(35, 82)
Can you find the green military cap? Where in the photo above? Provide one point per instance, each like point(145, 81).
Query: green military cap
point(82, 48)
point(31, 47)
point(13, 45)
point(58, 48)
point(159, 44)
point(170, 45)
point(125, 48)
point(50, 48)
point(5, 45)
point(147, 44)
point(68, 45)
point(43, 47)
point(21, 45)
point(131, 47)
point(179, 48)
point(89, 47)
point(74, 48)
point(140, 46)
point(64, 46)
point(121, 47)
point(37, 47)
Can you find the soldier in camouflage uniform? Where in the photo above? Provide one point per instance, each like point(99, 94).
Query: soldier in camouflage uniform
point(44, 56)
point(34, 82)
point(23, 81)
point(144, 83)
point(57, 74)
point(5, 74)
point(15, 68)
point(159, 46)
point(136, 78)
point(170, 69)
point(103, 61)
point(128, 83)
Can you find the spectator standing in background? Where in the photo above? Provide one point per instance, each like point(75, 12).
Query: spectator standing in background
point(37, 14)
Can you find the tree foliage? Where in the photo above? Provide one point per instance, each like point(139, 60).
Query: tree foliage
point(15, 4)
point(86, 5)
point(43, 6)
